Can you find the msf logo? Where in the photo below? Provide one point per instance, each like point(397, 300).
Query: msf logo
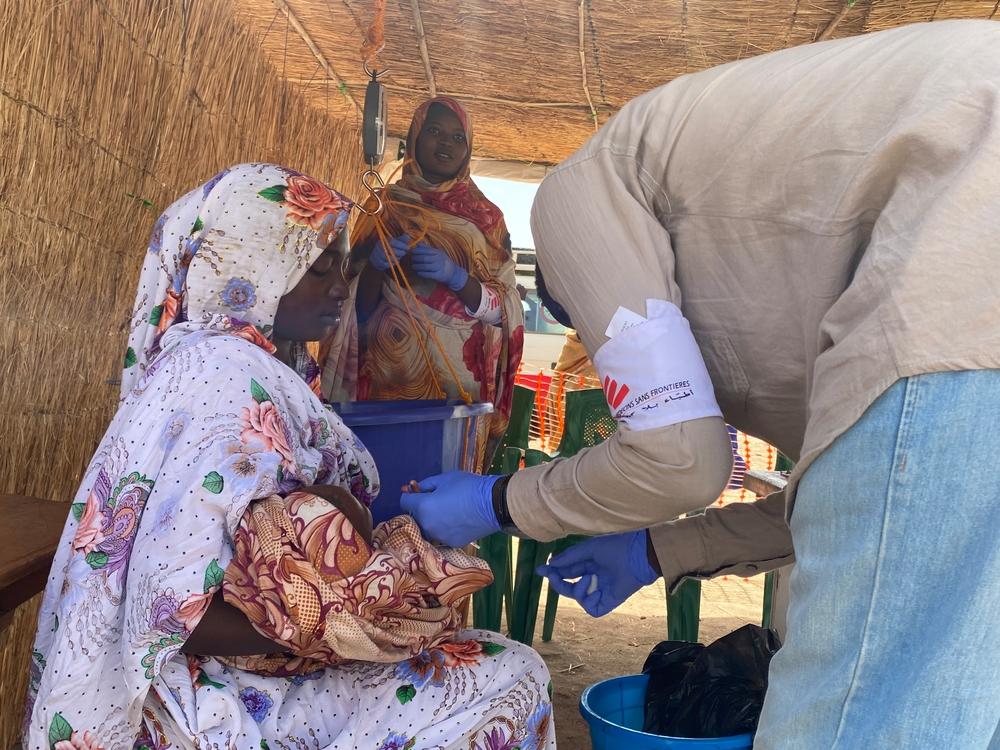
point(615, 392)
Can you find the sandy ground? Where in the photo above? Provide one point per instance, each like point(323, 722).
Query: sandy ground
point(584, 650)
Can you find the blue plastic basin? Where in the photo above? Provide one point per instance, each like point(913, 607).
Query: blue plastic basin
point(414, 440)
point(614, 711)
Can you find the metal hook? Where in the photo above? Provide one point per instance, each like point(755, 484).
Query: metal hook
point(374, 74)
point(373, 191)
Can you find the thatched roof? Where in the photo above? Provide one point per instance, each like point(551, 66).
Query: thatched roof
point(516, 64)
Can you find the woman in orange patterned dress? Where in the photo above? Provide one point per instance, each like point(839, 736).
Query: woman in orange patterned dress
point(453, 247)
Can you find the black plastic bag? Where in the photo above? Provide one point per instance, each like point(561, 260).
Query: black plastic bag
point(701, 691)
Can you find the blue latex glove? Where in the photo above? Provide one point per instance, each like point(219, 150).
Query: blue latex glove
point(610, 568)
point(454, 508)
point(435, 264)
point(400, 246)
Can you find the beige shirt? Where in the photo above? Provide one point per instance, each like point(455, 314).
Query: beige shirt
point(827, 218)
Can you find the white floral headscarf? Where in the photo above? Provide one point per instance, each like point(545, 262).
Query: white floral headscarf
point(223, 255)
point(208, 424)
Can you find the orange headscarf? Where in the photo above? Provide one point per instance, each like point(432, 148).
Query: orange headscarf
point(458, 196)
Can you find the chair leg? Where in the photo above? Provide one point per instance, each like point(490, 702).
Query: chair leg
point(488, 604)
point(516, 617)
point(549, 624)
point(769, 579)
point(508, 593)
point(541, 555)
point(552, 600)
point(527, 588)
point(683, 612)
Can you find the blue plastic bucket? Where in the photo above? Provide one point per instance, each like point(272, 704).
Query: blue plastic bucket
point(614, 710)
point(414, 440)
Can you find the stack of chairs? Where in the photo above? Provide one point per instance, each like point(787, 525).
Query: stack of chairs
point(580, 418)
point(557, 415)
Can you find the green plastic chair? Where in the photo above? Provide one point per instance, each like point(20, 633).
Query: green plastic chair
point(518, 428)
point(523, 611)
point(588, 422)
point(488, 604)
point(684, 612)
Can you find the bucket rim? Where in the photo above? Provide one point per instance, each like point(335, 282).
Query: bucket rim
point(366, 413)
point(590, 716)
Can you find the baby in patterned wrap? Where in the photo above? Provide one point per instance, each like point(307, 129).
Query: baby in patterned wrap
point(311, 575)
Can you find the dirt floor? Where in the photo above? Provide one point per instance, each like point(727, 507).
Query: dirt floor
point(584, 650)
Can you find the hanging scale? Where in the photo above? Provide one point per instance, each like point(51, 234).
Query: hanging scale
point(374, 120)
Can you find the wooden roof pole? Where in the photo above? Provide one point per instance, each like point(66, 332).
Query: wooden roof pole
point(324, 63)
point(418, 23)
point(841, 14)
point(583, 65)
point(463, 96)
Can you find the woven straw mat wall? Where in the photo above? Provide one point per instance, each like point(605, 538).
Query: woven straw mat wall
point(110, 109)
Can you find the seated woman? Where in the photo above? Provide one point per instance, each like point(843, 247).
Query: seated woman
point(461, 270)
point(219, 415)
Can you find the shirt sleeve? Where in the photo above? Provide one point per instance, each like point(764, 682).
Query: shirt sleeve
point(633, 480)
point(741, 539)
point(601, 245)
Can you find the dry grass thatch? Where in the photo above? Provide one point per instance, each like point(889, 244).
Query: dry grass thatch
point(109, 109)
point(516, 64)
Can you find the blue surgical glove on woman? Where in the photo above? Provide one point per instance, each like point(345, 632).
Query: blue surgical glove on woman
point(610, 568)
point(399, 246)
point(453, 508)
point(435, 264)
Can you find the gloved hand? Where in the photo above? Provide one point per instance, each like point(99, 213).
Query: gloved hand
point(610, 568)
point(453, 508)
point(400, 246)
point(435, 264)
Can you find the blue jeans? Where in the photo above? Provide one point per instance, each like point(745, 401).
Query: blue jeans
point(894, 614)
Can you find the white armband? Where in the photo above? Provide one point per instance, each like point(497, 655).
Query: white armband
point(489, 311)
point(652, 370)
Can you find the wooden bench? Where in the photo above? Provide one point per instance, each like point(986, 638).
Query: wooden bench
point(763, 483)
point(29, 534)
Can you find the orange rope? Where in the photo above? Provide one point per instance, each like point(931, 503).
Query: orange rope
point(397, 273)
point(406, 294)
point(375, 36)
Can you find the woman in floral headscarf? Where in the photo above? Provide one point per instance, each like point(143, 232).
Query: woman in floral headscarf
point(461, 270)
point(219, 415)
